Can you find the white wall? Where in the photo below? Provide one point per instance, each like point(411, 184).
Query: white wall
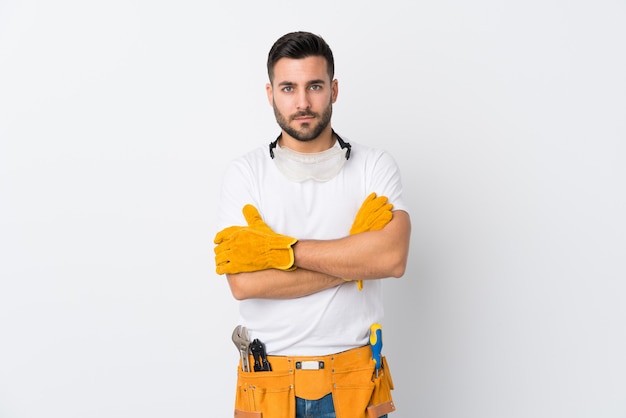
point(507, 119)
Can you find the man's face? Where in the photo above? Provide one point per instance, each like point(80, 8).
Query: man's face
point(302, 95)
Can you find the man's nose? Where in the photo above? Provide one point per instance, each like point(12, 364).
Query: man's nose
point(302, 100)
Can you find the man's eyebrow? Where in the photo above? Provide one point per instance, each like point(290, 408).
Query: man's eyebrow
point(291, 83)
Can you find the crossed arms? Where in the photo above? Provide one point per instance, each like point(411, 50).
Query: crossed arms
point(377, 248)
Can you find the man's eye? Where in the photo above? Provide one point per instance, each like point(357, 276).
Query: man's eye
point(287, 89)
point(315, 87)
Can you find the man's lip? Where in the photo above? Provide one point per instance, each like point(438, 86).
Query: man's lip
point(304, 118)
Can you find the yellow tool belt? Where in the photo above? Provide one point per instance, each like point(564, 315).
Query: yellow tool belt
point(350, 377)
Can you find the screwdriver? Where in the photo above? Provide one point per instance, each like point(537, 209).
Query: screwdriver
point(376, 342)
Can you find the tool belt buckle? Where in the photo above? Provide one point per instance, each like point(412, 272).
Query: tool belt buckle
point(309, 365)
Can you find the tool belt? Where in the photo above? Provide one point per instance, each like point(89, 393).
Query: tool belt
point(350, 376)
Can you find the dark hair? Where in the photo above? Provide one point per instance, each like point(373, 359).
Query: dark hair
point(298, 45)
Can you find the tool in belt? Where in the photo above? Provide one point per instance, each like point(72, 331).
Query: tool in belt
point(376, 342)
point(256, 347)
point(242, 342)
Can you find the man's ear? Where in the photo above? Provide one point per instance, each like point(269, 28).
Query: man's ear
point(335, 89)
point(270, 93)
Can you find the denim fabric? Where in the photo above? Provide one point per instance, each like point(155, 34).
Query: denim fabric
point(321, 408)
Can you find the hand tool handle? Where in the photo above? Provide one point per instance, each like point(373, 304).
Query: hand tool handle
point(376, 342)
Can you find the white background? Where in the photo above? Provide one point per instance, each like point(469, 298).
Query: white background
point(508, 120)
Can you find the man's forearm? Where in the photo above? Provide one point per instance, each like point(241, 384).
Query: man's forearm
point(278, 284)
point(368, 255)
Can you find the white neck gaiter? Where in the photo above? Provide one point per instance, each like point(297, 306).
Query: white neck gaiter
point(319, 166)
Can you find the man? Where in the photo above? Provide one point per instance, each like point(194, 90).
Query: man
point(310, 225)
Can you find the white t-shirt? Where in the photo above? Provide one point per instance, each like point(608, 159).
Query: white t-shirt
point(332, 320)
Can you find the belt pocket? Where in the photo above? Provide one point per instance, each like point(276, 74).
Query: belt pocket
point(352, 391)
point(360, 393)
point(265, 394)
point(381, 402)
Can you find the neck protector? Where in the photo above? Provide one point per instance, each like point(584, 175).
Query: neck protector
point(318, 166)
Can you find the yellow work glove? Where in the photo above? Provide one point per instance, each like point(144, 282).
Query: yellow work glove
point(253, 217)
point(374, 214)
point(251, 248)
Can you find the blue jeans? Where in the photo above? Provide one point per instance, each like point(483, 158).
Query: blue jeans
point(321, 408)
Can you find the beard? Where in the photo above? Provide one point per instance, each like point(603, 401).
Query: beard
point(308, 132)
